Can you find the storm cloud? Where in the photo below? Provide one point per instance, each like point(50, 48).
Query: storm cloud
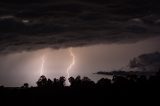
point(36, 24)
point(149, 62)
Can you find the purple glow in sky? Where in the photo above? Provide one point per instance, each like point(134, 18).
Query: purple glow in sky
point(21, 67)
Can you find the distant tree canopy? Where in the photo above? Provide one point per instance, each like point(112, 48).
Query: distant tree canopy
point(44, 82)
point(85, 82)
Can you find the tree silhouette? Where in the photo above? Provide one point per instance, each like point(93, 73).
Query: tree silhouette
point(87, 83)
point(25, 85)
point(61, 81)
point(55, 82)
point(42, 81)
point(49, 83)
point(104, 83)
point(75, 82)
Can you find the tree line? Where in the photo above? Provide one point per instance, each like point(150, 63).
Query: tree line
point(85, 82)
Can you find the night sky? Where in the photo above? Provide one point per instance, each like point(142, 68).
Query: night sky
point(104, 35)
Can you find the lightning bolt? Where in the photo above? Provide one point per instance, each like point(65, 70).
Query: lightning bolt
point(70, 66)
point(42, 65)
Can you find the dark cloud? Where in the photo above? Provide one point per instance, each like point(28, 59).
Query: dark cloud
point(145, 64)
point(34, 24)
point(150, 62)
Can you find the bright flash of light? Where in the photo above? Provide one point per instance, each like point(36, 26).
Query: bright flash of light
point(70, 66)
point(42, 65)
